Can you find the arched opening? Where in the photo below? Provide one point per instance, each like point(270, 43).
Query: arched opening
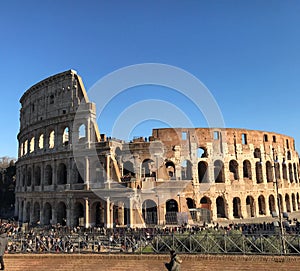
point(51, 140)
point(128, 169)
point(29, 174)
point(65, 139)
point(31, 145)
point(277, 170)
point(41, 141)
point(82, 132)
point(257, 153)
point(250, 206)
point(47, 213)
point(48, 175)
point(295, 173)
point(272, 204)
point(203, 172)
point(79, 214)
point(219, 171)
point(294, 202)
point(61, 213)
point(147, 166)
point(291, 173)
point(171, 170)
point(98, 214)
point(171, 211)
point(262, 205)
point(79, 171)
point(62, 174)
point(37, 176)
point(220, 207)
point(269, 172)
point(202, 152)
point(258, 171)
point(289, 156)
point(234, 170)
point(27, 212)
point(190, 203)
point(287, 203)
point(247, 173)
point(36, 213)
point(284, 171)
point(149, 209)
point(237, 213)
point(186, 170)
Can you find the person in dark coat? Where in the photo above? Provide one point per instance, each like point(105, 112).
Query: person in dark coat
point(3, 246)
point(174, 264)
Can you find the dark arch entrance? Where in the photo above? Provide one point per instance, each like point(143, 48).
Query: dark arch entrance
point(171, 211)
point(150, 212)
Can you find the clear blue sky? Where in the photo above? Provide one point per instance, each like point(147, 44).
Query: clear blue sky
point(247, 53)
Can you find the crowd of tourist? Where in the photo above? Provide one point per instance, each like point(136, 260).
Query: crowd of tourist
point(58, 238)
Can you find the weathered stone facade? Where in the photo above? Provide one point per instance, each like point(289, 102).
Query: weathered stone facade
point(68, 173)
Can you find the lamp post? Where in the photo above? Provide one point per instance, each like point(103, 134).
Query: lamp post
point(283, 247)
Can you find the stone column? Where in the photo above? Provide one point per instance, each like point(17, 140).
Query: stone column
point(108, 213)
point(121, 213)
point(86, 213)
point(87, 173)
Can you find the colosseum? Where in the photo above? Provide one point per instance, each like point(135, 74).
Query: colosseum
point(69, 173)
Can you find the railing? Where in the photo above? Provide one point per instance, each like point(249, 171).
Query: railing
point(201, 242)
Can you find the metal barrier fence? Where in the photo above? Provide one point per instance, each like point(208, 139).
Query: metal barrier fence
point(205, 242)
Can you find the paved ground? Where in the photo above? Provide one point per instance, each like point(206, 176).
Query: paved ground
point(92, 262)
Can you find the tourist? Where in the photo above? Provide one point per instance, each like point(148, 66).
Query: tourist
point(3, 245)
point(174, 264)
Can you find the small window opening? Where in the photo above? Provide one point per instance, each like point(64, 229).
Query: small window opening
point(52, 99)
point(274, 139)
point(287, 144)
point(244, 139)
point(183, 135)
point(216, 135)
point(265, 138)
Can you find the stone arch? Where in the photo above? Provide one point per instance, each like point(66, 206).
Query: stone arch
point(190, 203)
point(171, 211)
point(186, 170)
point(65, 136)
point(29, 176)
point(247, 172)
point(219, 171)
point(78, 172)
point(203, 172)
point(221, 210)
point(36, 213)
point(41, 141)
point(79, 214)
point(149, 209)
point(147, 165)
point(171, 169)
point(237, 212)
point(27, 212)
point(48, 175)
point(202, 152)
point(294, 202)
point(269, 172)
point(258, 171)
point(61, 213)
point(272, 204)
point(128, 169)
point(37, 176)
point(287, 202)
point(284, 171)
point(250, 206)
point(234, 170)
point(291, 173)
point(47, 213)
point(295, 172)
point(51, 141)
point(62, 174)
point(98, 213)
point(257, 153)
point(262, 205)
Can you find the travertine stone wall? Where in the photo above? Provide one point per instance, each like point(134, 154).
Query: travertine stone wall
point(68, 173)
